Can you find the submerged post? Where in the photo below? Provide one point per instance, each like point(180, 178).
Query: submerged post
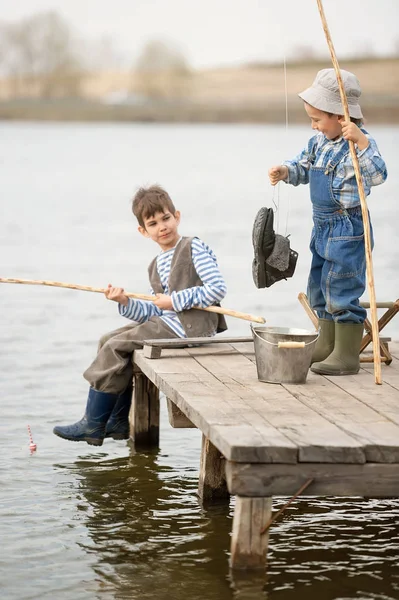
point(212, 481)
point(144, 412)
point(248, 543)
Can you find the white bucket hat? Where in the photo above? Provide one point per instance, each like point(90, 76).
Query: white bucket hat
point(324, 93)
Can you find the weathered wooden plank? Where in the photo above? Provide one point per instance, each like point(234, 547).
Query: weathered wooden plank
point(212, 481)
point(379, 435)
point(318, 439)
point(206, 402)
point(168, 343)
point(383, 399)
point(242, 442)
point(247, 350)
point(228, 429)
point(248, 545)
point(391, 375)
point(372, 480)
point(177, 418)
point(210, 388)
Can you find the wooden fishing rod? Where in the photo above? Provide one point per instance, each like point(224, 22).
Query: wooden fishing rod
point(85, 288)
point(363, 203)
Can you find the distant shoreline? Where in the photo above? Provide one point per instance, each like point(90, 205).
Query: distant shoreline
point(244, 94)
point(178, 112)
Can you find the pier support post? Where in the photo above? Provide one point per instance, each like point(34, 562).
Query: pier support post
point(212, 483)
point(177, 418)
point(144, 412)
point(248, 544)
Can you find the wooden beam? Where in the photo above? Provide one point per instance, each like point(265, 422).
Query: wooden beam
point(144, 412)
point(379, 304)
point(212, 482)
point(248, 544)
point(153, 348)
point(373, 480)
point(383, 321)
point(152, 351)
point(196, 341)
point(177, 418)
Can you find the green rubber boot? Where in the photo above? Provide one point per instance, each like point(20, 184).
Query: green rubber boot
point(325, 342)
point(344, 359)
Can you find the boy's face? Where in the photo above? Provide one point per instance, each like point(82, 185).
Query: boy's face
point(162, 229)
point(322, 121)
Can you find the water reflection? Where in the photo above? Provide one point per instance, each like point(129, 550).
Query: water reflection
point(150, 536)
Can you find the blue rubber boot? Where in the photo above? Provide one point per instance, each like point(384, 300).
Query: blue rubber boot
point(91, 428)
point(118, 423)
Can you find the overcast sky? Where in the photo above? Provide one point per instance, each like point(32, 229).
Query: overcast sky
point(224, 32)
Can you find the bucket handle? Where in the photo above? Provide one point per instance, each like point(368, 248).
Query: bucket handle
point(291, 344)
point(286, 344)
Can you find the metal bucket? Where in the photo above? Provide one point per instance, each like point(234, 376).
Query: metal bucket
point(283, 354)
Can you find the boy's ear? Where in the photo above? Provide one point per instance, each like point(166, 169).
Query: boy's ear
point(143, 231)
point(177, 216)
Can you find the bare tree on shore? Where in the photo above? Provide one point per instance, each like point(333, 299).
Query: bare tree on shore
point(40, 57)
point(161, 71)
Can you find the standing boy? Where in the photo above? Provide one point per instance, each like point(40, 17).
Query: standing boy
point(338, 270)
point(183, 276)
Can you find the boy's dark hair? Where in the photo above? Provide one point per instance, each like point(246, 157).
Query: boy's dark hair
point(148, 201)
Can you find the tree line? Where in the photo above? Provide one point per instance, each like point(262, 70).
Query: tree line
point(42, 56)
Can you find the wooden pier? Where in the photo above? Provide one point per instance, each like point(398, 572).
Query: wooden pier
point(262, 440)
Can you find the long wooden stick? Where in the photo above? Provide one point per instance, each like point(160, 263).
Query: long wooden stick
point(271, 520)
point(363, 203)
point(303, 299)
point(85, 288)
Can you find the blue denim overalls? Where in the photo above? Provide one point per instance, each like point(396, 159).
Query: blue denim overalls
point(337, 276)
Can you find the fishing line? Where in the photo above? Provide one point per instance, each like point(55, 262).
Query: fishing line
point(286, 131)
point(276, 193)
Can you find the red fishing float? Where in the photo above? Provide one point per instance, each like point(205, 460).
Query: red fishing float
point(32, 445)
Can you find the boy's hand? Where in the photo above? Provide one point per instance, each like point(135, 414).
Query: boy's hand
point(277, 174)
point(164, 302)
point(116, 294)
point(350, 131)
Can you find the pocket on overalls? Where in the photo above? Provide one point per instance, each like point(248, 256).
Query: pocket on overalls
point(345, 248)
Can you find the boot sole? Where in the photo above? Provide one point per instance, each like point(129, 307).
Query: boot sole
point(117, 436)
point(90, 441)
point(323, 372)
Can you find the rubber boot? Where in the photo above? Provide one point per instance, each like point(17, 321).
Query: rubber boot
point(118, 423)
point(325, 342)
point(344, 359)
point(91, 428)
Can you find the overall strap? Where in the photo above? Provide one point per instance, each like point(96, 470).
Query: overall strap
point(341, 154)
point(311, 152)
point(333, 162)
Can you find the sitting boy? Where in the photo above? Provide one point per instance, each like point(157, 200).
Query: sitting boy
point(183, 276)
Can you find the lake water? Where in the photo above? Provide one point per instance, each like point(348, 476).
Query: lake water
point(108, 523)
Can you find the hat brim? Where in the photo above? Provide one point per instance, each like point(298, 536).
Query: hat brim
point(318, 100)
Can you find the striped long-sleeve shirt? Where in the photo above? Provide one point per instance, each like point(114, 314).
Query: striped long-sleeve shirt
point(213, 289)
point(371, 163)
